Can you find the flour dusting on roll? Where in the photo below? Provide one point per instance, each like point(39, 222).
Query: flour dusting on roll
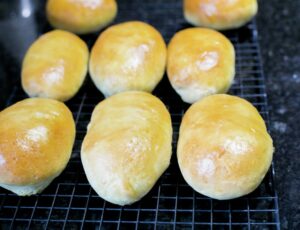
point(81, 16)
point(201, 62)
point(55, 66)
point(219, 14)
point(128, 56)
point(36, 140)
point(127, 146)
point(224, 150)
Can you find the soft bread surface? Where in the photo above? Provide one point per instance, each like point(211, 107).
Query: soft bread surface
point(127, 146)
point(219, 14)
point(36, 140)
point(128, 56)
point(224, 150)
point(55, 66)
point(200, 62)
point(81, 16)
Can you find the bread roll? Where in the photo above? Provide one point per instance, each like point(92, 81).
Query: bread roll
point(127, 146)
point(219, 14)
point(201, 62)
point(55, 66)
point(36, 140)
point(128, 56)
point(224, 150)
point(81, 16)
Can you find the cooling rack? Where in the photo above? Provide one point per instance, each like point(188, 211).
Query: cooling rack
point(70, 203)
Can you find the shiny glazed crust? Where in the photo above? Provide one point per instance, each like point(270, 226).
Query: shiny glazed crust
point(127, 146)
point(219, 14)
point(81, 16)
point(128, 56)
point(36, 140)
point(55, 66)
point(200, 62)
point(224, 150)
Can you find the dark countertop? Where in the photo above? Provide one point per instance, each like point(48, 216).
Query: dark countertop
point(279, 30)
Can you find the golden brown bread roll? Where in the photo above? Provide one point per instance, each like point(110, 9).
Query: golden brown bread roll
point(55, 66)
point(127, 146)
point(224, 150)
point(36, 140)
point(219, 14)
point(201, 62)
point(128, 56)
point(81, 16)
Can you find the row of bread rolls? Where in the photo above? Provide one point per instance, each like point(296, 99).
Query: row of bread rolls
point(86, 16)
point(130, 56)
point(224, 150)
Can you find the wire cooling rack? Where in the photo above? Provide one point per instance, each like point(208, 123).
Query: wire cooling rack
point(70, 203)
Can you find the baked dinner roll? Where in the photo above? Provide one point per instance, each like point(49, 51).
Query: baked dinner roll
point(81, 16)
point(224, 150)
point(128, 56)
point(127, 146)
point(36, 140)
point(55, 66)
point(219, 14)
point(201, 62)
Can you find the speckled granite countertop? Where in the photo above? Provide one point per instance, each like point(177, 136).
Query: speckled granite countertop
point(279, 30)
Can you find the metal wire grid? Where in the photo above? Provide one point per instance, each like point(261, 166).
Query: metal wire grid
point(70, 203)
